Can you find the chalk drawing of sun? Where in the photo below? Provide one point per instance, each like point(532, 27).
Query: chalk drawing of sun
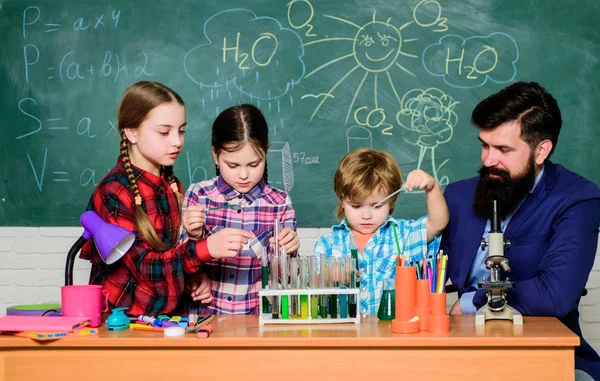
point(377, 49)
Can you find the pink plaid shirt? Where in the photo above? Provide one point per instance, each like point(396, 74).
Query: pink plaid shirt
point(235, 281)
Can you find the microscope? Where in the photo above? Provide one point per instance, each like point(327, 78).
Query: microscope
point(496, 306)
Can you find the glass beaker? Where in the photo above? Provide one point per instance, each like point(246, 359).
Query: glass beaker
point(387, 305)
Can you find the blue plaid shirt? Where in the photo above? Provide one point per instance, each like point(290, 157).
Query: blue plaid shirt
point(378, 260)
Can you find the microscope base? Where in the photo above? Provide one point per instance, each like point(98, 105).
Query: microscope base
point(507, 313)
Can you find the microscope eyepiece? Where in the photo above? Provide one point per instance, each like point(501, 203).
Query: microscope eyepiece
point(494, 217)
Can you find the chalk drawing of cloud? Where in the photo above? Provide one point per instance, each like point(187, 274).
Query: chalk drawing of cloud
point(470, 62)
point(255, 55)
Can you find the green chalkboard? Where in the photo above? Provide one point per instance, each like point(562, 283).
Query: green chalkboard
point(330, 76)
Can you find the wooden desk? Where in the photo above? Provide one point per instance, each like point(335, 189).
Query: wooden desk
point(239, 349)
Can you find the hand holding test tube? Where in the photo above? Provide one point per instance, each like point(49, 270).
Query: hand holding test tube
point(285, 237)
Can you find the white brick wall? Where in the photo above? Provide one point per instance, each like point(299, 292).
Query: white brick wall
point(32, 262)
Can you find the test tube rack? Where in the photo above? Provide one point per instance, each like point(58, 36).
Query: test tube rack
point(266, 318)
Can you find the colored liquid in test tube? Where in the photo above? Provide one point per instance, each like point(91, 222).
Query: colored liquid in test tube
point(323, 284)
point(264, 271)
point(284, 279)
point(354, 255)
point(303, 286)
point(295, 284)
point(275, 284)
point(334, 282)
point(275, 270)
point(352, 302)
point(343, 285)
point(313, 265)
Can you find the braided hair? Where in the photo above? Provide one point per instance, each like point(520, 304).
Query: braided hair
point(137, 102)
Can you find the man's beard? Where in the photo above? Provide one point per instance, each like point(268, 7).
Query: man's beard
point(509, 191)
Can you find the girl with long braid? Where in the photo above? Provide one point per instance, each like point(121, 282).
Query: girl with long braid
point(142, 195)
point(238, 197)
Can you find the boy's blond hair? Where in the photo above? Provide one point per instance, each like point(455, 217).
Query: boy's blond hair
point(363, 171)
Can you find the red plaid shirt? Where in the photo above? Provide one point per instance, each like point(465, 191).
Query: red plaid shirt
point(149, 282)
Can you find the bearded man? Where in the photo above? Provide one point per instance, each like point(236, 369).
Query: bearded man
point(550, 215)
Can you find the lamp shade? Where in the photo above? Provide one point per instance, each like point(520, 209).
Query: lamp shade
point(111, 241)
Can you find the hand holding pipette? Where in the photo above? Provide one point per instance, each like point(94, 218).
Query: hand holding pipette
point(416, 179)
point(437, 209)
point(402, 189)
point(419, 179)
point(193, 221)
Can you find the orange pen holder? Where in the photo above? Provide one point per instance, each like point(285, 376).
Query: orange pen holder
point(406, 320)
point(439, 321)
point(423, 307)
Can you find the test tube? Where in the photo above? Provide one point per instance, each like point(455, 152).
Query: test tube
point(276, 229)
point(275, 284)
point(295, 284)
point(354, 255)
point(284, 280)
point(343, 285)
point(314, 283)
point(323, 285)
point(352, 302)
point(265, 279)
point(303, 286)
point(334, 282)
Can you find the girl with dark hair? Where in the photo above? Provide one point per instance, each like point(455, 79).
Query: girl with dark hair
point(239, 196)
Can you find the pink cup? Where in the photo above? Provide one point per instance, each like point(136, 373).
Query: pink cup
point(84, 301)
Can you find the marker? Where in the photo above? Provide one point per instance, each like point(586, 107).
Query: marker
point(201, 324)
point(150, 319)
point(144, 327)
point(205, 332)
